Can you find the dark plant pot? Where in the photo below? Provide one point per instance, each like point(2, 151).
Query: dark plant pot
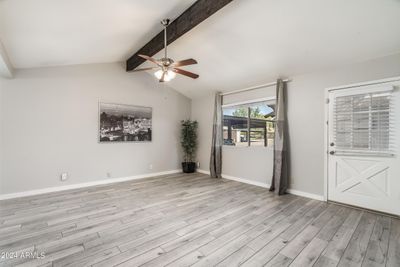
point(189, 167)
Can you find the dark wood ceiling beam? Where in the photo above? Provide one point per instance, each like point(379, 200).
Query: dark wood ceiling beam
point(190, 18)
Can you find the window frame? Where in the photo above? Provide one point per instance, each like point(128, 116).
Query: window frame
point(247, 102)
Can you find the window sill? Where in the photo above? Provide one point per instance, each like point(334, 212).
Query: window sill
point(248, 147)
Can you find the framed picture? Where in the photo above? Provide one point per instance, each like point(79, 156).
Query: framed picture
point(124, 123)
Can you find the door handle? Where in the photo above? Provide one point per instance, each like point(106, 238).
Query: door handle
point(332, 152)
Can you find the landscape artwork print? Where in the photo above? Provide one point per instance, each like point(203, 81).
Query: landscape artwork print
point(124, 123)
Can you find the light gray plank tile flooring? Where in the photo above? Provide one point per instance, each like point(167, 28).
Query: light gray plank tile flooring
point(190, 220)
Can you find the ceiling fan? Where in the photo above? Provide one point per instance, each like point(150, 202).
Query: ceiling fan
point(167, 67)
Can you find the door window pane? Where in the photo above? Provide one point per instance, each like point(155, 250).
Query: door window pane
point(362, 122)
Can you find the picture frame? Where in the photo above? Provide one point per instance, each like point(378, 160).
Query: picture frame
point(121, 123)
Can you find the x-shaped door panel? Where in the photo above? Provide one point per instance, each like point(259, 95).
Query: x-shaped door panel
point(360, 177)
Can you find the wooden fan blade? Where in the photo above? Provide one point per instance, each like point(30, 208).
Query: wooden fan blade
point(150, 59)
point(186, 73)
point(150, 68)
point(185, 62)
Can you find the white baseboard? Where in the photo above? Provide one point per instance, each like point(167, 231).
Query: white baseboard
point(305, 194)
point(142, 176)
point(82, 185)
point(265, 185)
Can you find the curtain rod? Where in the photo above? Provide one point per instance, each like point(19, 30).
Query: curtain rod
point(253, 88)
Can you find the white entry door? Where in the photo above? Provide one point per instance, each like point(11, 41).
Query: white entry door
point(363, 143)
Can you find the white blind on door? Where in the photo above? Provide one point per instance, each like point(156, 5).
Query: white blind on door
point(364, 122)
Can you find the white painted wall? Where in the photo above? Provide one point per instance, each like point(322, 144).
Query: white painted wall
point(306, 98)
point(49, 122)
point(49, 117)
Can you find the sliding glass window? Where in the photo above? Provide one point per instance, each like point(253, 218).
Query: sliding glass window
point(250, 124)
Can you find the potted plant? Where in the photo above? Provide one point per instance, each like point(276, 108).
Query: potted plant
point(189, 145)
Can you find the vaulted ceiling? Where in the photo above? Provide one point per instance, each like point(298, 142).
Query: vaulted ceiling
point(64, 32)
point(243, 44)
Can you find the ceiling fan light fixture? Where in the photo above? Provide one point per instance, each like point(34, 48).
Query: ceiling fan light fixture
point(169, 75)
point(158, 74)
point(168, 68)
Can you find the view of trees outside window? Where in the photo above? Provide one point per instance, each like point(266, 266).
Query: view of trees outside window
point(235, 126)
point(250, 124)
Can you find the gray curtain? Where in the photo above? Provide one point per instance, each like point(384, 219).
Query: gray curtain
point(217, 140)
point(280, 181)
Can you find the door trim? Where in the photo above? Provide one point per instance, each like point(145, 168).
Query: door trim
point(326, 120)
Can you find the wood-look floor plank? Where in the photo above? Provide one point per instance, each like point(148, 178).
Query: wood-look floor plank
point(377, 250)
point(238, 257)
point(88, 259)
point(320, 228)
point(266, 253)
point(357, 247)
point(310, 254)
point(179, 252)
point(223, 252)
point(192, 219)
point(393, 256)
point(337, 245)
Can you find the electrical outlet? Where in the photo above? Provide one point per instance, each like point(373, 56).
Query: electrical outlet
point(64, 176)
point(150, 166)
